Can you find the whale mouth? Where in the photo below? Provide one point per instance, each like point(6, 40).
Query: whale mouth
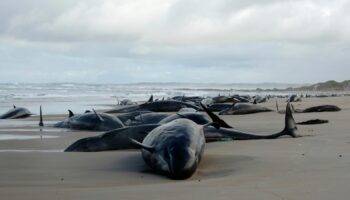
point(180, 163)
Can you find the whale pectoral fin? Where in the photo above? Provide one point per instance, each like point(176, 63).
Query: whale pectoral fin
point(216, 119)
point(214, 124)
point(71, 114)
point(98, 116)
point(143, 146)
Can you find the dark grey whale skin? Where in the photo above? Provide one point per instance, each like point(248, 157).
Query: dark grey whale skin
point(174, 149)
point(197, 117)
point(15, 113)
point(125, 117)
point(91, 121)
point(147, 118)
point(112, 140)
point(213, 134)
point(156, 106)
point(322, 108)
point(162, 118)
point(244, 108)
point(119, 138)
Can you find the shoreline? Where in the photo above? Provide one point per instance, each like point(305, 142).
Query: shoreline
point(310, 167)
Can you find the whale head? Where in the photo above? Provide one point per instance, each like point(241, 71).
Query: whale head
point(182, 161)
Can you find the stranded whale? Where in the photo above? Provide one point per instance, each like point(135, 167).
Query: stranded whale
point(15, 113)
point(174, 149)
point(244, 108)
point(90, 121)
point(214, 134)
point(156, 106)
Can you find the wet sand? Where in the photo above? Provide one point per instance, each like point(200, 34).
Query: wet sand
point(315, 166)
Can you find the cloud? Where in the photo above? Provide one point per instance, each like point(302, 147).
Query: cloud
point(179, 22)
point(170, 40)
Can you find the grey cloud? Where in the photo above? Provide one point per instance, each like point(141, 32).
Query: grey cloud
point(121, 41)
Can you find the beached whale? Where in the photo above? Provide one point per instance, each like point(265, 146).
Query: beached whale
point(162, 118)
point(15, 113)
point(293, 98)
point(241, 99)
point(223, 99)
point(322, 108)
point(217, 107)
point(174, 149)
point(244, 108)
point(126, 117)
point(156, 106)
point(167, 106)
point(90, 121)
point(313, 121)
point(220, 131)
point(112, 140)
point(260, 99)
point(213, 134)
point(197, 117)
point(118, 138)
point(146, 118)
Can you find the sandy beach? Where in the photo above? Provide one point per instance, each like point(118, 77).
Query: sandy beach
point(315, 166)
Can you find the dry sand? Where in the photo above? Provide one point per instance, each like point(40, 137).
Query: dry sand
point(315, 166)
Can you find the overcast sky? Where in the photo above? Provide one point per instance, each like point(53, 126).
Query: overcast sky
point(224, 41)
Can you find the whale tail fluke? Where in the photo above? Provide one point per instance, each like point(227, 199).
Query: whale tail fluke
point(41, 123)
point(290, 125)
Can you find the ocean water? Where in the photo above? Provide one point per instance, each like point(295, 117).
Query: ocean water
point(57, 98)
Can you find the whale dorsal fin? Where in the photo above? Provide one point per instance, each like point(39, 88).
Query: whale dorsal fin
point(41, 118)
point(98, 116)
point(14, 106)
point(71, 114)
point(143, 146)
point(150, 100)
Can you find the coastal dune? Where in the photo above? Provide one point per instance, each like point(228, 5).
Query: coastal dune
point(314, 166)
